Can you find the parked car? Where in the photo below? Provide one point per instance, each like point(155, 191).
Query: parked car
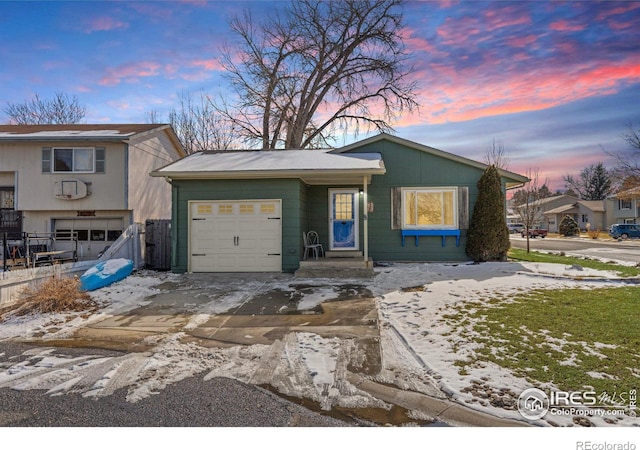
point(515, 228)
point(624, 231)
point(534, 233)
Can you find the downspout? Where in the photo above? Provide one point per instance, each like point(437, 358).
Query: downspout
point(366, 221)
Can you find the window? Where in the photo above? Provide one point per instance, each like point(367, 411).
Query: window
point(624, 204)
point(585, 218)
point(6, 197)
point(343, 207)
point(429, 208)
point(70, 160)
point(246, 208)
point(112, 235)
point(225, 209)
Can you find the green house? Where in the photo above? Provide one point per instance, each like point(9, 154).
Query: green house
point(382, 199)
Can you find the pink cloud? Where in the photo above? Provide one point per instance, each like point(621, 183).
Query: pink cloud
point(104, 23)
point(626, 8)
point(207, 64)
point(523, 41)
point(505, 17)
point(130, 73)
point(565, 25)
point(451, 95)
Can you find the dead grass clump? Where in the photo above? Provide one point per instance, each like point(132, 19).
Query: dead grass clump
point(56, 295)
point(593, 234)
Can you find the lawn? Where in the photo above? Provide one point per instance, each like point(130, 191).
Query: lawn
point(517, 254)
point(575, 339)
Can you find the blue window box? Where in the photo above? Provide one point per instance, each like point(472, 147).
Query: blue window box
point(441, 233)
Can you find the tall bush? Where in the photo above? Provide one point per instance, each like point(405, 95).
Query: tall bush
point(488, 236)
point(569, 227)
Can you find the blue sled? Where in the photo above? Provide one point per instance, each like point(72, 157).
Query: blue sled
point(106, 272)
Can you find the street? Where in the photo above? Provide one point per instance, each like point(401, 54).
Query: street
point(623, 251)
point(192, 402)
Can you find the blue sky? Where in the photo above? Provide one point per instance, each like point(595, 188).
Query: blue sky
point(553, 82)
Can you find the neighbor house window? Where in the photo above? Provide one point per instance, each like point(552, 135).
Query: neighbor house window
point(426, 208)
point(624, 204)
point(73, 160)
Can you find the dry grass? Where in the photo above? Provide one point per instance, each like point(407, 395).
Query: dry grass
point(593, 234)
point(56, 295)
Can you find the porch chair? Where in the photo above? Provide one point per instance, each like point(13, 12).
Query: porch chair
point(312, 244)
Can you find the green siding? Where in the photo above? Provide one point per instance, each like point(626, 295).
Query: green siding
point(407, 167)
point(291, 191)
point(307, 207)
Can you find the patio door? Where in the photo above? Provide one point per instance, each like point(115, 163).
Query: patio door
point(343, 219)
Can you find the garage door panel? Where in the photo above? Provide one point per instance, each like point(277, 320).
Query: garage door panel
point(236, 236)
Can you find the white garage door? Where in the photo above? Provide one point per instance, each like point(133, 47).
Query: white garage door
point(235, 236)
point(93, 234)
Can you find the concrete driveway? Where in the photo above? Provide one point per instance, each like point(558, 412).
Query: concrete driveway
point(265, 315)
point(272, 319)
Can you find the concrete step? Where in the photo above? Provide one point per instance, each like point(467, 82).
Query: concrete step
point(335, 268)
point(343, 254)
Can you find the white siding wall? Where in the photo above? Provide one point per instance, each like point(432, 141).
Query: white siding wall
point(35, 190)
point(149, 197)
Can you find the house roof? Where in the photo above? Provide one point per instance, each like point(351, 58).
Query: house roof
point(513, 180)
point(562, 209)
point(312, 166)
point(593, 205)
point(628, 194)
point(84, 132)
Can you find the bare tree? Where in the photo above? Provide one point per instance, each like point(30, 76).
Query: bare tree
point(628, 162)
point(496, 155)
point(315, 67)
point(200, 127)
point(153, 117)
point(594, 182)
point(61, 109)
point(530, 210)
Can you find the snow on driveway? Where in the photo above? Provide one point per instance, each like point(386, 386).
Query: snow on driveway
point(419, 350)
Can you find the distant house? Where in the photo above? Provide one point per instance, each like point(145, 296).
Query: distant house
point(546, 221)
point(624, 207)
point(91, 180)
point(384, 198)
point(589, 214)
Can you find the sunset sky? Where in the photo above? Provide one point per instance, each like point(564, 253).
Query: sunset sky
point(553, 82)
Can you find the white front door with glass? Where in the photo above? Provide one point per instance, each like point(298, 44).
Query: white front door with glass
point(343, 219)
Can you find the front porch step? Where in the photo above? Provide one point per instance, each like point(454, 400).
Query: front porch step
point(335, 268)
point(343, 254)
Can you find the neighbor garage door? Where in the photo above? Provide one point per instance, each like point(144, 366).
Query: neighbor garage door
point(235, 236)
point(94, 235)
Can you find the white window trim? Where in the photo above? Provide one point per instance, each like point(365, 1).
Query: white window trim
point(452, 189)
point(53, 159)
point(622, 202)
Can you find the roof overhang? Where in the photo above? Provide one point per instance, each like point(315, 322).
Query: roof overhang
point(313, 167)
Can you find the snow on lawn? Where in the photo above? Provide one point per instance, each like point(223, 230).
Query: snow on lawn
point(419, 349)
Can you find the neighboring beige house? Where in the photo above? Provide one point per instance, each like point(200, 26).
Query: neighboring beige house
point(92, 180)
point(589, 214)
point(544, 221)
point(624, 207)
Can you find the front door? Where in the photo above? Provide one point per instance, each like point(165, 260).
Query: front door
point(343, 219)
